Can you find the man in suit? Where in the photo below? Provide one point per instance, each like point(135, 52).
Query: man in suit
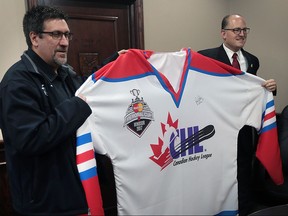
point(234, 33)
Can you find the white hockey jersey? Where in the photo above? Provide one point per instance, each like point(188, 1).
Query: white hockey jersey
point(169, 123)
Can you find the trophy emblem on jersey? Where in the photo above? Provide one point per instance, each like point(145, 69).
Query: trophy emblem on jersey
point(138, 115)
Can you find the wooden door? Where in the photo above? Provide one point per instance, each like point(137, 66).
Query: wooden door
point(100, 28)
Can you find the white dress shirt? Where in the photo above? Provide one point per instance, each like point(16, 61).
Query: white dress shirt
point(241, 59)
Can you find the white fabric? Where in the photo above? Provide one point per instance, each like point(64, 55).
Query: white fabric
point(202, 179)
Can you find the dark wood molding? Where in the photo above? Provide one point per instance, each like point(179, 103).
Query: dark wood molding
point(136, 15)
point(31, 3)
point(138, 18)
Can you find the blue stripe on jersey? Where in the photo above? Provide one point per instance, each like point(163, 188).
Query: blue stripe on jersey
point(268, 127)
point(149, 73)
point(127, 78)
point(90, 173)
point(270, 104)
point(93, 77)
point(83, 139)
point(230, 213)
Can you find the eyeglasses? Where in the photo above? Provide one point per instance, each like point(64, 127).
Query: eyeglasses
point(239, 30)
point(57, 35)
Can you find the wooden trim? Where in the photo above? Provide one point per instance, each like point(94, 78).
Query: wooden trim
point(139, 24)
point(31, 3)
point(136, 17)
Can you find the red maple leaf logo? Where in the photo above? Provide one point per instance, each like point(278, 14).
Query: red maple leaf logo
point(161, 150)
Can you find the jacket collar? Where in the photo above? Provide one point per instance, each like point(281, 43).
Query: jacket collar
point(36, 64)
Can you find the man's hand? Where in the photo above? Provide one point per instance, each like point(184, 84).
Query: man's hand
point(270, 85)
point(122, 51)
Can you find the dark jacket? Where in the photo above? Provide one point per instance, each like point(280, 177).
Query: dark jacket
point(219, 54)
point(39, 118)
point(283, 138)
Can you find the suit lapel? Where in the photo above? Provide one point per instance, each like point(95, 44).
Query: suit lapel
point(250, 68)
point(222, 56)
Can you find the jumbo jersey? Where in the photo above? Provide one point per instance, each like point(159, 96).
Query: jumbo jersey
point(169, 123)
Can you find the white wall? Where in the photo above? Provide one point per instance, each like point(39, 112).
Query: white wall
point(173, 24)
point(170, 25)
point(12, 39)
point(268, 40)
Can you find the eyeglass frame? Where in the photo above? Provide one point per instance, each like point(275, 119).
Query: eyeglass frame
point(58, 35)
point(239, 30)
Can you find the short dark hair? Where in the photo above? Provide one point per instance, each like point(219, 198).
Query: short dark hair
point(34, 19)
point(224, 22)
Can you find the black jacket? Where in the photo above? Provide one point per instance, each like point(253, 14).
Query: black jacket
point(219, 54)
point(283, 138)
point(39, 118)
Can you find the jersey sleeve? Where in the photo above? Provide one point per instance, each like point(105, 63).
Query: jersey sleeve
point(268, 150)
point(260, 113)
point(87, 168)
point(86, 163)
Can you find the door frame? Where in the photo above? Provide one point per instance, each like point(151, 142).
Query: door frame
point(135, 12)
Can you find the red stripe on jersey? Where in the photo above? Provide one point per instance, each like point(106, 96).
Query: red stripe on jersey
point(93, 196)
point(85, 156)
point(269, 116)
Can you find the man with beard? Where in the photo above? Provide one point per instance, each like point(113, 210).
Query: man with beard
point(39, 118)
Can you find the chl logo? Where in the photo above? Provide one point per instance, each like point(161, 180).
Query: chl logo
point(177, 143)
point(138, 115)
